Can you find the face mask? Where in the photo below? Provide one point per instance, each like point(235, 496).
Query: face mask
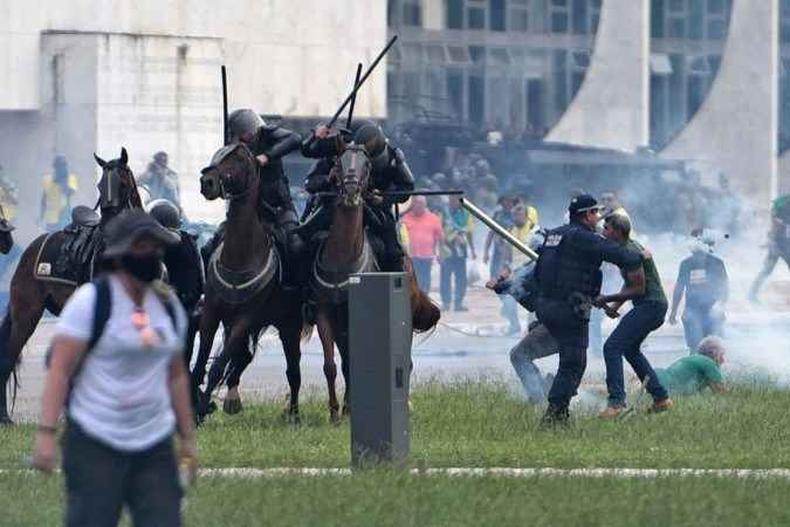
point(144, 268)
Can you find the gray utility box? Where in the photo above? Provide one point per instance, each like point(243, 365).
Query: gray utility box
point(380, 361)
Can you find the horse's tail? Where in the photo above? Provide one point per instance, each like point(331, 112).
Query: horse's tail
point(425, 314)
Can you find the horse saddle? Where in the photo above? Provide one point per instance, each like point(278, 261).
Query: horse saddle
point(71, 257)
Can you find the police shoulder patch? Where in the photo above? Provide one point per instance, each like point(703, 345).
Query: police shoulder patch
point(553, 240)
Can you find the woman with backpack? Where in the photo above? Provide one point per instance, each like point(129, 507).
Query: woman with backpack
point(116, 366)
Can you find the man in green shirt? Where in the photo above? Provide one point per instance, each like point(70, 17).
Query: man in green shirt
point(647, 315)
point(696, 372)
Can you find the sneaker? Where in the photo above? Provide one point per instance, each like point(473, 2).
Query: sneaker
point(612, 412)
point(661, 406)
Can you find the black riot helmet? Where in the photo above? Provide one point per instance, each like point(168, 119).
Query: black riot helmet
point(369, 134)
point(166, 213)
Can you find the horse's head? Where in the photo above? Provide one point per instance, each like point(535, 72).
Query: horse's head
point(231, 174)
point(351, 174)
point(117, 187)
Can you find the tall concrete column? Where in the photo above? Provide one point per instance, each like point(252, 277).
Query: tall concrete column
point(736, 127)
point(612, 108)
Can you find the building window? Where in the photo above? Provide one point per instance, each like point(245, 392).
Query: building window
point(455, 14)
point(690, 19)
point(518, 14)
point(476, 14)
point(579, 17)
point(498, 15)
point(404, 13)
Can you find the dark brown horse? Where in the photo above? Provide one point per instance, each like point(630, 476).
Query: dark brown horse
point(32, 290)
point(244, 289)
point(347, 251)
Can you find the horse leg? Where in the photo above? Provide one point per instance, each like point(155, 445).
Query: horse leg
point(340, 333)
point(235, 346)
point(238, 363)
point(330, 369)
point(209, 323)
point(18, 325)
point(289, 337)
point(192, 330)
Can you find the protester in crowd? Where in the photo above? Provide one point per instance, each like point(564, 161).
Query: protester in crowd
point(698, 371)
point(160, 181)
point(702, 277)
point(425, 237)
point(495, 250)
point(524, 223)
point(116, 363)
point(457, 245)
point(778, 243)
point(59, 188)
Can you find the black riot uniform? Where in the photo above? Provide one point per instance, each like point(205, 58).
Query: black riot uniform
point(276, 204)
point(390, 172)
point(568, 276)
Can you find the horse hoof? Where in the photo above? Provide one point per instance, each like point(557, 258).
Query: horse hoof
point(6, 421)
point(334, 417)
point(232, 406)
point(346, 412)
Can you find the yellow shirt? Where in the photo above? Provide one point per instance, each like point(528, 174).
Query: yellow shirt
point(524, 235)
point(57, 202)
point(8, 204)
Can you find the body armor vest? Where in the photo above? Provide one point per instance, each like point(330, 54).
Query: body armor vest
point(563, 269)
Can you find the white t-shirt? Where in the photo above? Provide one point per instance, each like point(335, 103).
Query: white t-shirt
point(121, 395)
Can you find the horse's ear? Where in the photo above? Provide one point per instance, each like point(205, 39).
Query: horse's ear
point(124, 156)
point(102, 163)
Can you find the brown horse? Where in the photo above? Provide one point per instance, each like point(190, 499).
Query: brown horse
point(244, 289)
point(347, 251)
point(31, 293)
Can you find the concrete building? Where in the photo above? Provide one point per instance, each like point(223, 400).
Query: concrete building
point(80, 76)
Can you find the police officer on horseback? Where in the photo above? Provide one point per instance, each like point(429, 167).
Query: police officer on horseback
point(389, 172)
point(568, 275)
point(270, 144)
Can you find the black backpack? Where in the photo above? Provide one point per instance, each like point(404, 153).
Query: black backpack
point(102, 310)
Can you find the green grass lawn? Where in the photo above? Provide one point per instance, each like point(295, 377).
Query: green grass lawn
point(383, 499)
point(478, 424)
point(484, 425)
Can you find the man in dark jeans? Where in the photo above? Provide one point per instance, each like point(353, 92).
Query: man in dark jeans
point(650, 307)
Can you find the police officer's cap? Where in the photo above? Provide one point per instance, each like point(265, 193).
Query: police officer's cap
point(583, 203)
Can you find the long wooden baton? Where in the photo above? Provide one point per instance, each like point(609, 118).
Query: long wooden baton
point(498, 229)
point(225, 126)
point(363, 79)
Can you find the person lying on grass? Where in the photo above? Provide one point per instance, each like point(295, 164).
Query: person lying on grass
point(696, 372)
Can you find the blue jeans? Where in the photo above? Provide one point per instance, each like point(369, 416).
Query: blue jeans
point(699, 323)
point(571, 334)
point(453, 266)
point(422, 270)
point(538, 343)
point(625, 341)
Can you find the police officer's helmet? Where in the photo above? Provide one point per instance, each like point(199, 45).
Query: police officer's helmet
point(369, 134)
point(166, 213)
point(244, 121)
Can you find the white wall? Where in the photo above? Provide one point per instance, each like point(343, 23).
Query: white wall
point(292, 57)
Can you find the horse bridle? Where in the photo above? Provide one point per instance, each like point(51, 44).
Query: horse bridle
point(343, 181)
point(122, 204)
point(233, 196)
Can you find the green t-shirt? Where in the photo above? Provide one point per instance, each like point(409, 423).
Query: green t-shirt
point(654, 291)
point(690, 374)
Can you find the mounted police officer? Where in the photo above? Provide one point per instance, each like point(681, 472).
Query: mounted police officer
point(390, 172)
point(269, 145)
point(160, 180)
point(568, 276)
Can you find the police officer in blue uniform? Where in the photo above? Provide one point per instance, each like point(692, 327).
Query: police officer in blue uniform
point(568, 276)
